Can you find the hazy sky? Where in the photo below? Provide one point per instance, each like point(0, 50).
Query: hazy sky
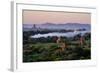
point(38, 17)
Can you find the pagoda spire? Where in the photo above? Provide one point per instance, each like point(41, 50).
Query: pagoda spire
point(34, 26)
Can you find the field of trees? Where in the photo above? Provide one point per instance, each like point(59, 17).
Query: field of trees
point(56, 48)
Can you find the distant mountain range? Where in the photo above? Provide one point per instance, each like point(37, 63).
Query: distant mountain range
point(52, 26)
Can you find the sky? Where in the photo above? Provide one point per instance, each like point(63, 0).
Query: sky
point(38, 17)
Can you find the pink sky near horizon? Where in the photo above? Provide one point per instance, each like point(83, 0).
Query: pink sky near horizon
point(38, 17)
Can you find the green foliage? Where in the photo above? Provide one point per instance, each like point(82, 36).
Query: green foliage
point(46, 49)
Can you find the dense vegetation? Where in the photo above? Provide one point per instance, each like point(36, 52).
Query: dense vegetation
point(47, 49)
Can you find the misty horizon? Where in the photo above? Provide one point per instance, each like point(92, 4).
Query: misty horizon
point(56, 23)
